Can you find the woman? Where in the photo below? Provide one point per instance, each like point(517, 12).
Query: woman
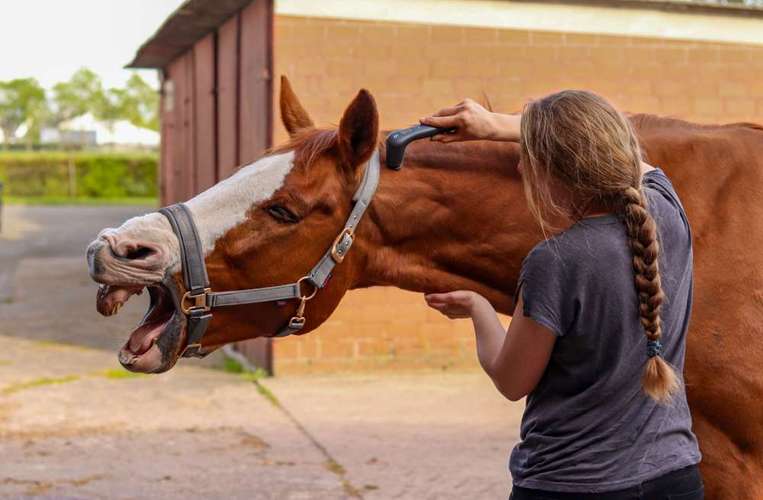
point(606, 414)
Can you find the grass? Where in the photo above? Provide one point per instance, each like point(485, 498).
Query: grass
point(38, 382)
point(57, 154)
point(267, 394)
point(66, 200)
point(120, 373)
point(230, 365)
point(110, 373)
point(334, 467)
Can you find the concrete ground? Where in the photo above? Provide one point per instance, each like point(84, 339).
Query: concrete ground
point(73, 424)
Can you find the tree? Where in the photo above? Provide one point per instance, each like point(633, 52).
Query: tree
point(21, 101)
point(83, 93)
point(137, 103)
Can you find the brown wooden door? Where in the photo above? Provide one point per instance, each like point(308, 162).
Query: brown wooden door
point(217, 115)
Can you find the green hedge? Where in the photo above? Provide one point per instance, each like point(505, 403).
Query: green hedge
point(79, 174)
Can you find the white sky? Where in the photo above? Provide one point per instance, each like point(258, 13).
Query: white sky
point(51, 39)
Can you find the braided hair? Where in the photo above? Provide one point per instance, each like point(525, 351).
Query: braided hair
point(659, 379)
point(575, 143)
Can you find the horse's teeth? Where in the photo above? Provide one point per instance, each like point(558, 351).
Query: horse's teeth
point(126, 358)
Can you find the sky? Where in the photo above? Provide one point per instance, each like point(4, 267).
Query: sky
point(51, 39)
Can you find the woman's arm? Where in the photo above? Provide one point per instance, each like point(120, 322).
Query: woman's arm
point(514, 360)
point(474, 122)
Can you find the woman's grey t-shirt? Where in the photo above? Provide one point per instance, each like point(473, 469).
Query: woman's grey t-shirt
point(588, 426)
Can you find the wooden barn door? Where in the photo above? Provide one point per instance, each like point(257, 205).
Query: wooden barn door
point(255, 116)
point(217, 115)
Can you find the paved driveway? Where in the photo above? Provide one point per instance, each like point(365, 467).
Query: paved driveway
point(73, 424)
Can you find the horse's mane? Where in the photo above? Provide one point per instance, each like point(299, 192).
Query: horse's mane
point(308, 144)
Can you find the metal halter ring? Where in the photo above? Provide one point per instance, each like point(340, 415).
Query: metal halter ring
point(199, 302)
point(299, 285)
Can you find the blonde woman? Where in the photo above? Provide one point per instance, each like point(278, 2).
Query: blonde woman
point(597, 338)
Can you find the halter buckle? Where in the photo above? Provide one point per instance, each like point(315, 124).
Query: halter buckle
point(336, 253)
point(198, 302)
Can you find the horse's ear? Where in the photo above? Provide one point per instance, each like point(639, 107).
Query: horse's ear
point(359, 129)
point(293, 115)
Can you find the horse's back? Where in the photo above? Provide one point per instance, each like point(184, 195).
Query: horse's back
point(718, 173)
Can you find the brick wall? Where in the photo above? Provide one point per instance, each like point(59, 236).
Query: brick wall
point(413, 69)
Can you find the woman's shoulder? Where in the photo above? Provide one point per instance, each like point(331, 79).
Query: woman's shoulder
point(551, 255)
point(664, 203)
point(657, 181)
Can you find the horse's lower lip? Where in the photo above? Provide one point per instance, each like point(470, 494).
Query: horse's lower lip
point(161, 311)
point(154, 345)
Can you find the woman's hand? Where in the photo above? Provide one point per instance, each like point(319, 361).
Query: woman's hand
point(472, 121)
point(458, 304)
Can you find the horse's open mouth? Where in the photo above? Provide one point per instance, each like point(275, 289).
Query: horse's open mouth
point(153, 346)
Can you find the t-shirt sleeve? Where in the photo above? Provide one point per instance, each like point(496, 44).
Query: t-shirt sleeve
point(542, 285)
point(657, 181)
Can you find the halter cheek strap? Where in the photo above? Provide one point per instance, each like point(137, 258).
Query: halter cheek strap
point(199, 300)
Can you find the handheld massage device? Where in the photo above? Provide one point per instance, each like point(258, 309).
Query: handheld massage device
point(399, 139)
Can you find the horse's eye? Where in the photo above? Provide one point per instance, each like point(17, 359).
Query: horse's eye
point(283, 214)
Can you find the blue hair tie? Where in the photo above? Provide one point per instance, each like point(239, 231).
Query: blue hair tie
point(653, 348)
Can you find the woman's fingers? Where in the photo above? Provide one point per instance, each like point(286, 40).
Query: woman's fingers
point(452, 110)
point(438, 297)
point(449, 121)
point(455, 137)
point(457, 297)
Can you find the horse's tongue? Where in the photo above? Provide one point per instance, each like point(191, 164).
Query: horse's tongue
point(144, 336)
point(111, 297)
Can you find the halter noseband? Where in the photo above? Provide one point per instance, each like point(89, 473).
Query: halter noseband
point(199, 300)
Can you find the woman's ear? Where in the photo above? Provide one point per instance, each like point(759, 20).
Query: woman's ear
point(359, 130)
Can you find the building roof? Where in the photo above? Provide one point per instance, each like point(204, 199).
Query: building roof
point(720, 7)
point(193, 20)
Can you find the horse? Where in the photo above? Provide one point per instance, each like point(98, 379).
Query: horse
point(453, 218)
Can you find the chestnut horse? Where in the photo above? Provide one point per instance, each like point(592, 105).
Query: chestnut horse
point(455, 218)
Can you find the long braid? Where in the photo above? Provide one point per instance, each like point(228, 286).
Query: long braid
point(659, 379)
point(582, 143)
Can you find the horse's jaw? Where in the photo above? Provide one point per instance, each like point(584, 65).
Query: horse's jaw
point(141, 254)
point(154, 345)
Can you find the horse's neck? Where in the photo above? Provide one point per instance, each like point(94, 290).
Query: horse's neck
point(453, 218)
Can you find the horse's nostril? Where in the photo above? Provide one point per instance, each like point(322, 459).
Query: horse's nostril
point(93, 262)
point(139, 252)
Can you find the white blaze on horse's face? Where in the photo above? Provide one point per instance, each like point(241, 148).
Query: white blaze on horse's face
point(224, 206)
point(145, 249)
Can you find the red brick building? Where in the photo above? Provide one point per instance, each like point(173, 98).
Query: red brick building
point(220, 61)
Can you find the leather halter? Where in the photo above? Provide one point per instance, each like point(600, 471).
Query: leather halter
point(199, 300)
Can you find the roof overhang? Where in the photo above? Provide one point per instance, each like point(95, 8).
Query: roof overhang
point(192, 21)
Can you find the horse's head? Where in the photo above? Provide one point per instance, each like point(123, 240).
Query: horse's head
point(266, 225)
